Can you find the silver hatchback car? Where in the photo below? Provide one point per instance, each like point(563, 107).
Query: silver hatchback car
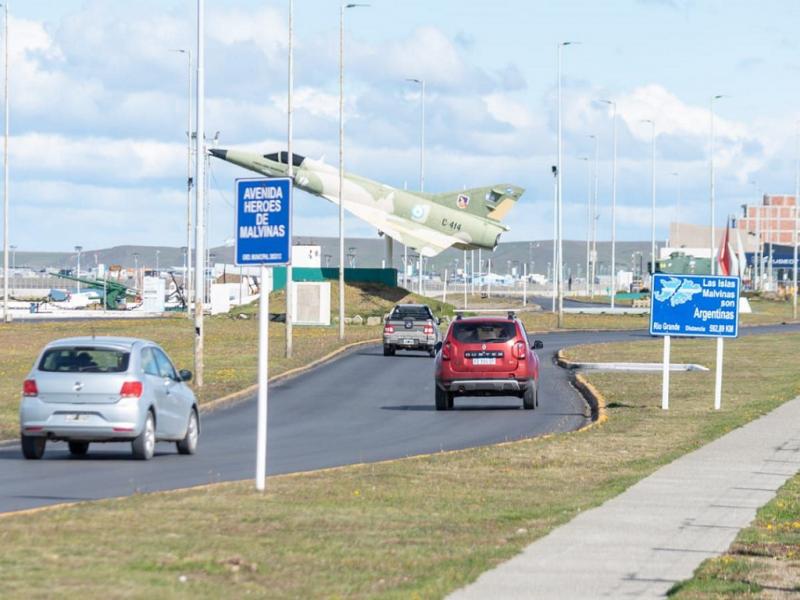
point(107, 389)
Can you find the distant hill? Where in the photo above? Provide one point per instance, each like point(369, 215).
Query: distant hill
point(365, 252)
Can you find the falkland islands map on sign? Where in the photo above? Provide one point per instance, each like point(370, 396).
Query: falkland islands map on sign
point(677, 291)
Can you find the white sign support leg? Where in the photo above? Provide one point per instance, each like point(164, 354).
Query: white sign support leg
point(263, 377)
point(718, 383)
point(444, 288)
point(665, 378)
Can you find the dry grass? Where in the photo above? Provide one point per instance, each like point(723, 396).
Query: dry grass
point(419, 527)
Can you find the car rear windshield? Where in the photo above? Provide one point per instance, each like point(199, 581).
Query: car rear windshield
point(84, 359)
point(483, 331)
point(417, 313)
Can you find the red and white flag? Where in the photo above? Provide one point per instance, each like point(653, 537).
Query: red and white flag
point(725, 256)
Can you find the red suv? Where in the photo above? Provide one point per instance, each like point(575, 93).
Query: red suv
point(487, 356)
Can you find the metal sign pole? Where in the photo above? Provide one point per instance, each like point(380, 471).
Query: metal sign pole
point(263, 226)
point(444, 288)
point(665, 378)
point(718, 382)
point(263, 378)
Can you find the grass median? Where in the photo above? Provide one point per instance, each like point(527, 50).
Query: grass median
point(418, 527)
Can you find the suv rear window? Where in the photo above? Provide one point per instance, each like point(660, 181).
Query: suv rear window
point(411, 312)
point(84, 359)
point(484, 331)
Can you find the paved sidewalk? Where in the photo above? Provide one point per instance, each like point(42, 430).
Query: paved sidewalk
point(656, 533)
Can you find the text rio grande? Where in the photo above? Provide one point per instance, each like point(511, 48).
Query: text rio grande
point(261, 201)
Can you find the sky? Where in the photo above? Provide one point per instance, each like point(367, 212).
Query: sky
point(98, 108)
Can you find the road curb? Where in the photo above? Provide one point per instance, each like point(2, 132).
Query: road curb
point(595, 400)
point(235, 397)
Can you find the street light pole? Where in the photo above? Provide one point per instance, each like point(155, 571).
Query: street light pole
point(555, 235)
point(6, 314)
point(290, 174)
point(79, 249)
point(589, 221)
point(796, 195)
point(613, 203)
point(711, 182)
point(595, 215)
point(421, 83)
point(677, 211)
point(200, 174)
point(559, 204)
point(757, 266)
point(342, 7)
point(653, 195)
point(187, 284)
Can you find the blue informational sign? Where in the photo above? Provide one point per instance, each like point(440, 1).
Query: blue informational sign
point(694, 305)
point(263, 221)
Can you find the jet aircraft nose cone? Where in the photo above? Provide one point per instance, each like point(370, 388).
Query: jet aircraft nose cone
point(223, 154)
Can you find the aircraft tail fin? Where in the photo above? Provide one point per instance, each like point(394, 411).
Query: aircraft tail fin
point(492, 202)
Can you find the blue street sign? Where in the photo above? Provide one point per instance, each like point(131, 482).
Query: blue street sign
point(694, 305)
point(263, 221)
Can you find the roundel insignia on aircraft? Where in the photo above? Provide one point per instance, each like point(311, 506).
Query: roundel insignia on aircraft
point(420, 212)
point(463, 201)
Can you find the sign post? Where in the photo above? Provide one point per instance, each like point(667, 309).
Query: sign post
point(263, 237)
point(694, 306)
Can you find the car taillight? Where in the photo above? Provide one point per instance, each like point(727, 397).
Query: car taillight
point(446, 351)
point(428, 329)
point(131, 389)
point(519, 350)
point(388, 329)
point(29, 388)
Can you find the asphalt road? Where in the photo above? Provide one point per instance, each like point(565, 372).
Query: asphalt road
point(363, 407)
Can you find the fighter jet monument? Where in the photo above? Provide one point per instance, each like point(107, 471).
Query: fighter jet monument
point(429, 223)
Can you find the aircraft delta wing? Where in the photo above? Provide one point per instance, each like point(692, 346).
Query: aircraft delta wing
point(429, 223)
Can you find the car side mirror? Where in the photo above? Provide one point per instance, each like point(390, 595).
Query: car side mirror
point(537, 344)
point(185, 375)
point(437, 346)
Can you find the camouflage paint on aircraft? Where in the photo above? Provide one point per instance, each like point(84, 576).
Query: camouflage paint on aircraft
point(429, 223)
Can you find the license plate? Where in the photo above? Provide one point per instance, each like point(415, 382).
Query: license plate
point(409, 342)
point(77, 417)
point(484, 361)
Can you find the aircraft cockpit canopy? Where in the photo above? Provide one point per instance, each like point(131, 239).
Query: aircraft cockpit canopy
point(283, 157)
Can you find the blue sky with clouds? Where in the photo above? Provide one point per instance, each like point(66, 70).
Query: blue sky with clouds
point(98, 108)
